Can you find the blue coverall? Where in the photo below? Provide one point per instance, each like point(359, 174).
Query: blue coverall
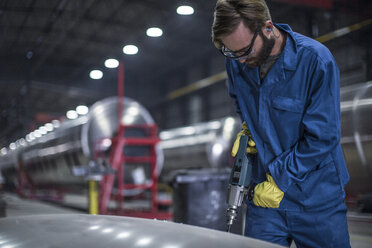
point(294, 118)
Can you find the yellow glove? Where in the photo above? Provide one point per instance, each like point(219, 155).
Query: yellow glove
point(267, 194)
point(251, 144)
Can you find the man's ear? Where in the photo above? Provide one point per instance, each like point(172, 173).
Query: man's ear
point(268, 26)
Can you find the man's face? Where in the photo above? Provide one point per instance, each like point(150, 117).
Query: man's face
point(263, 53)
point(242, 37)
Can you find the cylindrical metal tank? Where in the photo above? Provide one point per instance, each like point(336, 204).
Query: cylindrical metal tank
point(54, 158)
point(78, 230)
point(356, 132)
point(199, 145)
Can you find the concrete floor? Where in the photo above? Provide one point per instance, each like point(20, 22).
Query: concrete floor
point(360, 225)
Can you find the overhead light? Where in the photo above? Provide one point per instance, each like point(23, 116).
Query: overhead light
point(12, 146)
point(4, 151)
point(28, 138)
point(37, 133)
point(22, 142)
point(154, 32)
point(82, 110)
point(130, 49)
point(49, 127)
point(43, 130)
point(56, 123)
point(185, 10)
point(71, 114)
point(96, 74)
point(111, 63)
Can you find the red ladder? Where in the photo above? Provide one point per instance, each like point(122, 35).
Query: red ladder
point(118, 161)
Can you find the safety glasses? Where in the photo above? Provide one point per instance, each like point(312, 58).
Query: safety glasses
point(244, 52)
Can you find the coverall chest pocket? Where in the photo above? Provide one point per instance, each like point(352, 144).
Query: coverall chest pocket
point(286, 113)
point(287, 110)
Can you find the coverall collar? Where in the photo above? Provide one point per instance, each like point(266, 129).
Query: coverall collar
point(290, 49)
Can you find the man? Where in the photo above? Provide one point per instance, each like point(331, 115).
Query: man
point(286, 90)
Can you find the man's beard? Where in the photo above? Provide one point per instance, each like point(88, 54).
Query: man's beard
point(264, 53)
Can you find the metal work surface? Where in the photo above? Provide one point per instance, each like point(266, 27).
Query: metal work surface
point(360, 225)
point(78, 230)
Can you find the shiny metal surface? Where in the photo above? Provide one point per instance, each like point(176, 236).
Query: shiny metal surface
point(75, 230)
point(199, 145)
point(53, 158)
point(356, 132)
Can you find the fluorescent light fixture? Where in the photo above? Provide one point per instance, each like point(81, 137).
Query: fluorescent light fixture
point(185, 10)
point(111, 63)
point(130, 49)
point(71, 114)
point(154, 32)
point(82, 110)
point(96, 74)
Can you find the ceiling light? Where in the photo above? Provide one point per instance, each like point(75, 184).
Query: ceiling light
point(111, 63)
point(43, 130)
point(96, 74)
point(185, 10)
point(56, 123)
point(154, 32)
point(37, 133)
point(12, 146)
point(71, 114)
point(130, 49)
point(82, 110)
point(4, 151)
point(49, 127)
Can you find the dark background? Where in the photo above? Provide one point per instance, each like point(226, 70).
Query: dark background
point(48, 48)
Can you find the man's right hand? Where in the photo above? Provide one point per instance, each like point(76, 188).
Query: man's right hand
point(251, 144)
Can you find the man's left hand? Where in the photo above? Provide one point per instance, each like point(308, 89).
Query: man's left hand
point(267, 194)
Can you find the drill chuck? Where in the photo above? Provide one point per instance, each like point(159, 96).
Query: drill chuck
point(235, 197)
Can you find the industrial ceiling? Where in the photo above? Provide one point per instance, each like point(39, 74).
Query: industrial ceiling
point(48, 48)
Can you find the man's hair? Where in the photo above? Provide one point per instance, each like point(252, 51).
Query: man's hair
point(229, 13)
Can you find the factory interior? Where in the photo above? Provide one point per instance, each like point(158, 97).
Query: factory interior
point(117, 126)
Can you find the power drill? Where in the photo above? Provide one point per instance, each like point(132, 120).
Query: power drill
point(240, 179)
